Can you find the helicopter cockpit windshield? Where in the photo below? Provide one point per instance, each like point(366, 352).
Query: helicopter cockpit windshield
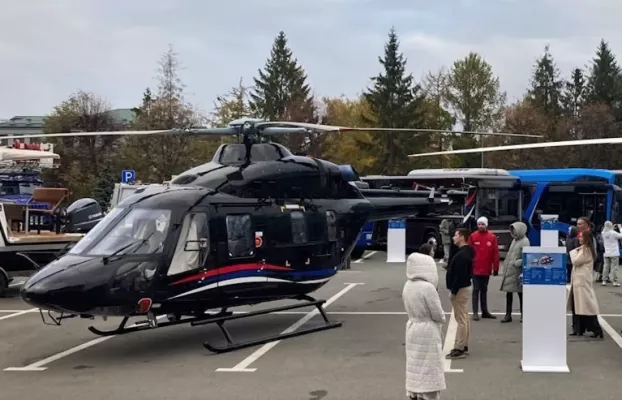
point(141, 231)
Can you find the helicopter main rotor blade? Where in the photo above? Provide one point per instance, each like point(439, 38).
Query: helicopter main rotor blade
point(231, 131)
point(86, 134)
point(191, 131)
point(523, 146)
point(332, 128)
point(282, 130)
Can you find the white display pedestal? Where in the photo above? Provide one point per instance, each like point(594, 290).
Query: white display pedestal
point(396, 240)
point(544, 303)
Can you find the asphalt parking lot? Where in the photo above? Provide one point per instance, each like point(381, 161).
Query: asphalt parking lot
point(364, 359)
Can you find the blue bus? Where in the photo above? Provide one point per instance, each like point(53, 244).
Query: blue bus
point(570, 193)
point(473, 192)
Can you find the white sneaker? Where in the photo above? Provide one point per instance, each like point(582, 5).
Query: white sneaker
point(604, 283)
point(616, 284)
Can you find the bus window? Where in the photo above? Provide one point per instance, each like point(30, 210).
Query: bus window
point(594, 207)
point(616, 206)
point(528, 191)
point(570, 203)
point(561, 201)
point(500, 206)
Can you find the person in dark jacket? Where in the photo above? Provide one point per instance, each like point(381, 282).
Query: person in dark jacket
point(458, 281)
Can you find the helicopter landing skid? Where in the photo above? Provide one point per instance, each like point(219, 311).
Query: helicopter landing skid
point(150, 323)
point(231, 346)
point(221, 318)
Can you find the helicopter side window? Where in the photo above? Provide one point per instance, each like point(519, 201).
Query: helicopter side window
point(240, 236)
point(188, 254)
point(331, 224)
point(299, 227)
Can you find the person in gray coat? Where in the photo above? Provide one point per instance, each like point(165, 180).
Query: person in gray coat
point(513, 269)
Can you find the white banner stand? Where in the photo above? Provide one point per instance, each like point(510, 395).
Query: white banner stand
point(544, 303)
point(396, 240)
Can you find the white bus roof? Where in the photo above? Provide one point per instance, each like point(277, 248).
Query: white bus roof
point(447, 173)
point(454, 172)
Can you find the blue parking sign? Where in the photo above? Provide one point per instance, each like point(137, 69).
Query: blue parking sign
point(128, 175)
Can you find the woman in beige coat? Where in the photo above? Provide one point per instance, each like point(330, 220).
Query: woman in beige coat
point(582, 299)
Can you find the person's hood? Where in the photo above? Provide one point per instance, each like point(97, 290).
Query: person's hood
point(422, 267)
point(519, 229)
point(608, 226)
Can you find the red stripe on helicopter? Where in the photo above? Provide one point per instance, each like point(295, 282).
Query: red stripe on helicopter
point(229, 269)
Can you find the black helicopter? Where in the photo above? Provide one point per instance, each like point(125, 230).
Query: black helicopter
point(254, 225)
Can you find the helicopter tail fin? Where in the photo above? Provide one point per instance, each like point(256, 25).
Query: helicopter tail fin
point(388, 203)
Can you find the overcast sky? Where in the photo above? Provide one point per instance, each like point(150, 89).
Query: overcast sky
point(49, 49)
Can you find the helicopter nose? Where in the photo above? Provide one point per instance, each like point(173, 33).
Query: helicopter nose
point(35, 294)
point(52, 294)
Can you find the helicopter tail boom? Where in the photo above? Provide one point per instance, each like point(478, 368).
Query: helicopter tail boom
point(401, 207)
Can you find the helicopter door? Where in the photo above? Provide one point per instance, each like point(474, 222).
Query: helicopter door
point(193, 245)
point(242, 269)
point(240, 237)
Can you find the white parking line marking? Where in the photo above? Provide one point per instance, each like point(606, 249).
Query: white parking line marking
point(39, 365)
point(18, 313)
point(243, 365)
point(393, 313)
point(450, 339)
point(12, 311)
point(365, 257)
point(612, 332)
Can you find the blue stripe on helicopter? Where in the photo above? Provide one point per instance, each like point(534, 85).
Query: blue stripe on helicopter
point(293, 275)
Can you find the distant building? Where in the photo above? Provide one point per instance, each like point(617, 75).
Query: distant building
point(33, 125)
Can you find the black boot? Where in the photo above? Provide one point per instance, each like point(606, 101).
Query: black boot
point(485, 313)
point(475, 304)
point(508, 308)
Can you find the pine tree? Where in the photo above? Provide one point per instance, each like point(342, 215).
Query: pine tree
point(143, 110)
point(604, 81)
point(395, 102)
point(573, 95)
point(104, 186)
point(546, 86)
point(281, 91)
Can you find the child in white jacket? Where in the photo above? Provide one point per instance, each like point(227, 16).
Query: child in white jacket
point(612, 254)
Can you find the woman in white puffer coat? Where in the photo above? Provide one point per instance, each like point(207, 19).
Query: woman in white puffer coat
point(612, 254)
point(425, 365)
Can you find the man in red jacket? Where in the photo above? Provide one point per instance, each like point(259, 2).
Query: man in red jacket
point(485, 263)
